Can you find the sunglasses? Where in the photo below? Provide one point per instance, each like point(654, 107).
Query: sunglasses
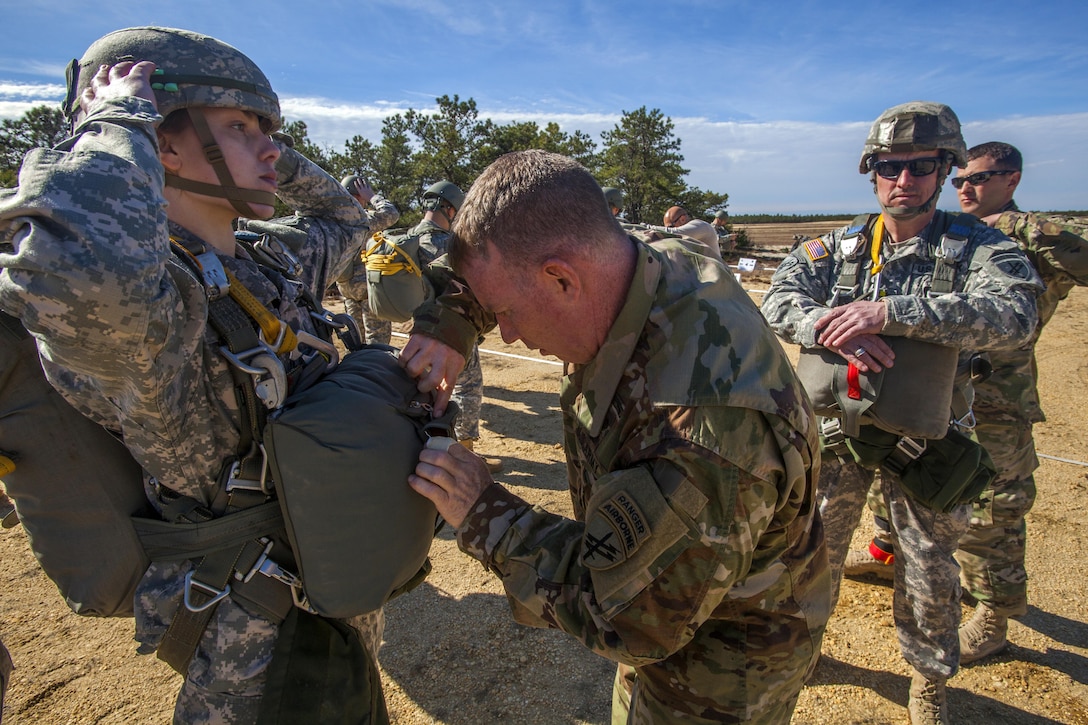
point(979, 178)
point(917, 167)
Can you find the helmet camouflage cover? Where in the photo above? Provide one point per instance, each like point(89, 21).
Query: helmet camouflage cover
point(915, 126)
point(192, 70)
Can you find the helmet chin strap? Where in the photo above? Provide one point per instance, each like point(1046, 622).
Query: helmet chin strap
point(238, 197)
point(910, 212)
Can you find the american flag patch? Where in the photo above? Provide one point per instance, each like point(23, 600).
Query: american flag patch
point(815, 249)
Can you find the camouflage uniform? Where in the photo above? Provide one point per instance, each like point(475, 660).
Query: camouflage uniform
point(1006, 406)
point(993, 306)
point(352, 283)
point(468, 393)
point(6, 668)
point(696, 557)
point(121, 326)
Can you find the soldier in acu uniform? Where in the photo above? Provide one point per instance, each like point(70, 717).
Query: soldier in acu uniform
point(895, 289)
point(97, 246)
point(991, 553)
point(695, 558)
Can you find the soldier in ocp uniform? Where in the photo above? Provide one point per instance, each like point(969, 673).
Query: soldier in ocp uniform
point(907, 278)
point(352, 282)
point(991, 553)
point(695, 558)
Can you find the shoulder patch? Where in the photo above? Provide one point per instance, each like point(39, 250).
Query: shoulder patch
point(815, 249)
point(1013, 265)
point(614, 532)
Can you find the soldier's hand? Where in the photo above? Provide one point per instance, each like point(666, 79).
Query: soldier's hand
point(362, 189)
point(453, 480)
point(120, 81)
point(869, 353)
point(840, 324)
point(435, 365)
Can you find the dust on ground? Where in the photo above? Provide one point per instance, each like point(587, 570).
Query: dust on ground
point(453, 655)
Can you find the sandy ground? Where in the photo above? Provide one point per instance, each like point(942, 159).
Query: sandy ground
point(453, 655)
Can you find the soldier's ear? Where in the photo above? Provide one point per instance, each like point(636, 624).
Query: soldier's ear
point(169, 153)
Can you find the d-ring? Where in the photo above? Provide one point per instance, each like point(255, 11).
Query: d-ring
point(859, 352)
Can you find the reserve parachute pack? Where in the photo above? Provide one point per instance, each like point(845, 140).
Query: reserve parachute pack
point(394, 276)
point(325, 521)
point(908, 417)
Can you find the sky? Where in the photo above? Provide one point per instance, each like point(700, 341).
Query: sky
point(771, 100)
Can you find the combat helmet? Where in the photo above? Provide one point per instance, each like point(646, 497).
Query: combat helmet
point(444, 190)
point(192, 71)
point(349, 182)
point(916, 126)
point(613, 196)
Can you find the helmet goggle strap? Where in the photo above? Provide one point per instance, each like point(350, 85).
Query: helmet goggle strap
point(238, 197)
point(438, 204)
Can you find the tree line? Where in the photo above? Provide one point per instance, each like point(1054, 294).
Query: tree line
point(640, 155)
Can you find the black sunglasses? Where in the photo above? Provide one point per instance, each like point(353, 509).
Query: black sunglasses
point(917, 167)
point(978, 178)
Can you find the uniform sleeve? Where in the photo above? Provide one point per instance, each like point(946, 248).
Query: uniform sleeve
point(385, 214)
point(329, 226)
point(645, 570)
point(994, 310)
point(1056, 250)
point(799, 291)
point(454, 316)
point(86, 242)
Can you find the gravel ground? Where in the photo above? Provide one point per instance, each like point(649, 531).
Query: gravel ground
point(453, 655)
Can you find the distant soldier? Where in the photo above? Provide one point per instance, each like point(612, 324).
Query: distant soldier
point(677, 220)
point(614, 197)
point(991, 553)
point(352, 282)
point(727, 241)
point(910, 272)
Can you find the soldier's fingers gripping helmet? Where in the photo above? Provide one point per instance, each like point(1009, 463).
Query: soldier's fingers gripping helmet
point(192, 71)
point(613, 196)
point(916, 126)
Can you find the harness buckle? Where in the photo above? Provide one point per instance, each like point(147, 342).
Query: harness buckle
point(235, 480)
point(213, 275)
point(216, 595)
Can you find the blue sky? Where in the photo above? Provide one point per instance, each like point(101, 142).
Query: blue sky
point(772, 100)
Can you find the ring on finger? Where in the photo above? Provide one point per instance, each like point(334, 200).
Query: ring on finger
point(859, 352)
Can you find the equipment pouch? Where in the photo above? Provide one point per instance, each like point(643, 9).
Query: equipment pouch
point(912, 398)
point(321, 672)
point(950, 471)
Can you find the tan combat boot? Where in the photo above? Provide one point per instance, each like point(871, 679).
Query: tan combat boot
point(860, 562)
point(494, 465)
point(927, 701)
point(982, 635)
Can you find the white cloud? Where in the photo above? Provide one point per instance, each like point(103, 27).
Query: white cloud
point(772, 166)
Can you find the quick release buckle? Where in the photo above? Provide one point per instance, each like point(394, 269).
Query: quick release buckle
point(907, 450)
point(272, 570)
